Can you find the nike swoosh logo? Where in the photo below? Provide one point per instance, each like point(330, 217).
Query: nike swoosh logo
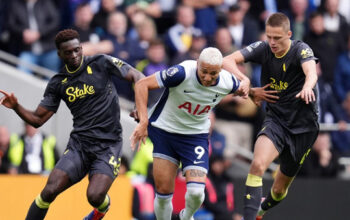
point(187, 91)
point(198, 162)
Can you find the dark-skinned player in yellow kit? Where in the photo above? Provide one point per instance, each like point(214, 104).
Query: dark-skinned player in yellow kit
point(95, 143)
point(290, 126)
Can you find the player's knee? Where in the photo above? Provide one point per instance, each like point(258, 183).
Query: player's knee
point(95, 198)
point(258, 167)
point(279, 192)
point(50, 192)
point(164, 189)
point(195, 194)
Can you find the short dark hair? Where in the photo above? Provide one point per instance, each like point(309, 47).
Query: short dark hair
point(66, 35)
point(315, 14)
point(156, 42)
point(278, 20)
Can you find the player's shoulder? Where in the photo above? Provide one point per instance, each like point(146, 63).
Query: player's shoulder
point(189, 64)
point(225, 73)
point(97, 57)
point(255, 45)
point(298, 44)
point(302, 49)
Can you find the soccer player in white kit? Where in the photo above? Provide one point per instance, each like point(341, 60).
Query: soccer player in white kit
point(178, 125)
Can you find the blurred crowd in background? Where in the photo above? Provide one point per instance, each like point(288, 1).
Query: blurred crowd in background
point(155, 34)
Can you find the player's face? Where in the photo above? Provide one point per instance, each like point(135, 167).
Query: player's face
point(208, 73)
point(71, 53)
point(279, 39)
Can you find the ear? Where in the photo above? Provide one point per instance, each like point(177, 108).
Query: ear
point(289, 34)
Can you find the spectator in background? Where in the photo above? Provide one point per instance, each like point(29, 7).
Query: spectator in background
point(155, 61)
point(244, 30)
point(234, 119)
point(341, 139)
point(330, 110)
point(168, 8)
point(344, 8)
point(4, 33)
point(179, 36)
point(100, 19)
point(322, 161)
point(32, 152)
point(199, 42)
point(223, 41)
point(146, 32)
point(334, 21)
point(326, 45)
point(219, 191)
point(90, 39)
point(32, 26)
point(205, 16)
point(217, 141)
point(145, 190)
point(4, 145)
point(82, 20)
point(261, 10)
point(123, 47)
point(298, 16)
point(149, 7)
point(341, 84)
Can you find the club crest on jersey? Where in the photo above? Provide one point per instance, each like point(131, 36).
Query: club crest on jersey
point(171, 71)
point(253, 46)
point(307, 52)
point(195, 110)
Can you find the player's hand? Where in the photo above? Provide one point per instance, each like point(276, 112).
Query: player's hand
point(8, 100)
point(243, 89)
point(139, 136)
point(306, 94)
point(259, 94)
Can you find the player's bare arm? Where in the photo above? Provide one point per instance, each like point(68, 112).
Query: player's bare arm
point(134, 75)
point(259, 94)
point(141, 97)
point(36, 118)
point(307, 94)
point(230, 64)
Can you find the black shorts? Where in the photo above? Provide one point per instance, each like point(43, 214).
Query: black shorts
point(292, 148)
point(91, 156)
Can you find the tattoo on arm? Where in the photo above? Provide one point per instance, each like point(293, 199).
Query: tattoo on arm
point(196, 173)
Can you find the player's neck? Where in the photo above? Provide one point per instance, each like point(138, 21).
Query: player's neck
point(284, 52)
point(73, 71)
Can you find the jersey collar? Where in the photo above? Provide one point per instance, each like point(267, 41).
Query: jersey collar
point(81, 63)
point(290, 43)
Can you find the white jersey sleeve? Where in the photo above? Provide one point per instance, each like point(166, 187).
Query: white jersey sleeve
point(185, 104)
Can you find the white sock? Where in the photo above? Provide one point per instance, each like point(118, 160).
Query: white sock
point(194, 198)
point(163, 207)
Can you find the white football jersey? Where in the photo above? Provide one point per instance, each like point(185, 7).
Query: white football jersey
point(185, 104)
